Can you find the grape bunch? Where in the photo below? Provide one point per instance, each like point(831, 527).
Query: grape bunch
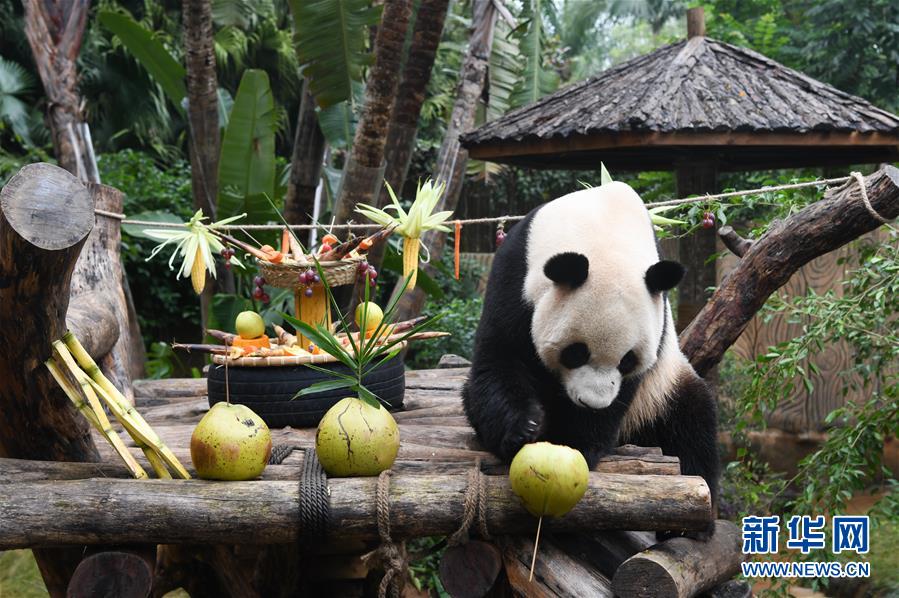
point(227, 254)
point(309, 278)
point(708, 220)
point(366, 271)
point(500, 236)
point(259, 293)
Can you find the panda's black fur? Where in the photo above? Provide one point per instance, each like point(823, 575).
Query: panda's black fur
point(511, 398)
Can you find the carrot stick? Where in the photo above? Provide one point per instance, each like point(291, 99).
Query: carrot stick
point(458, 236)
point(285, 241)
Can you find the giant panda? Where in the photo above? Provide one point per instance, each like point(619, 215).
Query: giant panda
point(576, 343)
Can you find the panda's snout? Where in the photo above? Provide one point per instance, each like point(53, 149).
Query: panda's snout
point(574, 355)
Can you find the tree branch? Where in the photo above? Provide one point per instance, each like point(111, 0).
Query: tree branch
point(768, 264)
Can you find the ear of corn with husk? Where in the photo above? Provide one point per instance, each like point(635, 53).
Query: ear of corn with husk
point(197, 244)
point(411, 224)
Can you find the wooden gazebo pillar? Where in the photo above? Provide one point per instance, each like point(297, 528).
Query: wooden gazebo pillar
point(694, 178)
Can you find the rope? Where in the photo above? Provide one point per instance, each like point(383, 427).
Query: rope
point(497, 219)
point(391, 556)
point(874, 213)
point(475, 507)
point(280, 452)
point(315, 498)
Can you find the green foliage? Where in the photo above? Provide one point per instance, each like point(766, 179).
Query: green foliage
point(19, 575)
point(536, 81)
point(16, 84)
point(163, 305)
point(247, 165)
point(163, 362)
point(149, 52)
point(330, 44)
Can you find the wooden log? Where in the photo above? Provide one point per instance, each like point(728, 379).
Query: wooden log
point(825, 225)
point(557, 574)
point(91, 317)
point(263, 512)
point(681, 567)
point(99, 275)
point(120, 573)
point(45, 216)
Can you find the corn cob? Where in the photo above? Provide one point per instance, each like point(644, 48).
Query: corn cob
point(410, 260)
point(198, 272)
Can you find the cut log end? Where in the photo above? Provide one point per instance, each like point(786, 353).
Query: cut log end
point(48, 207)
point(113, 573)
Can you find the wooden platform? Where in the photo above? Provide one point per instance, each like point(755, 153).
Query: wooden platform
point(436, 440)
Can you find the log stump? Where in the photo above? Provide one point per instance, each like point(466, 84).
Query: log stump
point(46, 215)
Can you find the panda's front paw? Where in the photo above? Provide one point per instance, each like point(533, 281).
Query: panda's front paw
point(528, 429)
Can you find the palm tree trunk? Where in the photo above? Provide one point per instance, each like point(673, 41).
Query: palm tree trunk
point(202, 117)
point(305, 164)
point(453, 157)
point(55, 31)
point(407, 108)
point(364, 168)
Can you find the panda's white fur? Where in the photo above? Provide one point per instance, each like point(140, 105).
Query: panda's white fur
point(611, 225)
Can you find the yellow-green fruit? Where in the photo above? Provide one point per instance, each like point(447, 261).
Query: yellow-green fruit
point(357, 439)
point(549, 478)
point(373, 315)
point(230, 443)
point(249, 325)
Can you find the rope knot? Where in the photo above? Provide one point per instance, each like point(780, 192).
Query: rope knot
point(389, 556)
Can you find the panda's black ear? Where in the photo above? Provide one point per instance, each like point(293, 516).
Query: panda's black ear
point(664, 276)
point(569, 269)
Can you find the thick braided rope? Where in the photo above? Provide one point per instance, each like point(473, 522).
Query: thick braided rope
point(390, 555)
point(315, 498)
point(281, 452)
point(866, 200)
point(475, 507)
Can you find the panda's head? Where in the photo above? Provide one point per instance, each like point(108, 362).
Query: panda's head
point(598, 291)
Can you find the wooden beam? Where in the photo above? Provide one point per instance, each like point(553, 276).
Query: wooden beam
point(821, 227)
point(262, 512)
point(532, 146)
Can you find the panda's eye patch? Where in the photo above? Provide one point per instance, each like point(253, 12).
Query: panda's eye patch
point(574, 355)
point(628, 363)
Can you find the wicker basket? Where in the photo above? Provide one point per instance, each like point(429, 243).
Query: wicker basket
point(286, 275)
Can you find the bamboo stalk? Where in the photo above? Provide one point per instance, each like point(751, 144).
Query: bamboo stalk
point(226, 338)
point(103, 425)
point(140, 431)
point(285, 338)
point(131, 414)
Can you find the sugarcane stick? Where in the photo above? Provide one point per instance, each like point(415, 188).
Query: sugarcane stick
point(100, 380)
point(103, 425)
point(296, 250)
point(285, 338)
point(410, 261)
point(341, 250)
point(140, 430)
point(203, 348)
point(226, 338)
point(85, 409)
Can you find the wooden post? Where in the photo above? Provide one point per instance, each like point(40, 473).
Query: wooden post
point(98, 278)
point(694, 178)
point(46, 215)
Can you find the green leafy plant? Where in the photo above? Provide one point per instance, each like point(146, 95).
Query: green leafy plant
point(365, 352)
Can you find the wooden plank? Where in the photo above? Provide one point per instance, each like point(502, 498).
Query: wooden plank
point(172, 387)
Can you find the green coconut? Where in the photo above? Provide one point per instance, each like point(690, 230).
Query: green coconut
point(230, 443)
point(549, 478)
point(355, 438)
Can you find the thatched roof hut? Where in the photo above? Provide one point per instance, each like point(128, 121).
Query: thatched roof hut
point(700, 97)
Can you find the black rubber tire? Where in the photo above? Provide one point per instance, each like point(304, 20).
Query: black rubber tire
point(269, 391)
